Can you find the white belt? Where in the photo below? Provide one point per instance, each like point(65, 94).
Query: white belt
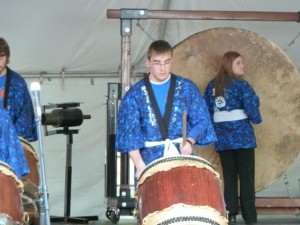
point(223, 116)
point(169, 150)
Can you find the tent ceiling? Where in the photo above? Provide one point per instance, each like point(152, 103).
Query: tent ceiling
point(77, 35)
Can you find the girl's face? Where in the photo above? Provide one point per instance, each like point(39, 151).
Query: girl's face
point(238, 67)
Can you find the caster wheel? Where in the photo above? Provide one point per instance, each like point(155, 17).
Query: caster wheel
point(112, 215)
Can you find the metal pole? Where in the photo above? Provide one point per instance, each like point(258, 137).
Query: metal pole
point(35, 87)
point(44, 211)
point(68, 174)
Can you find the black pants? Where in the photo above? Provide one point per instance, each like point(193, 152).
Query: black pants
point(239, 164)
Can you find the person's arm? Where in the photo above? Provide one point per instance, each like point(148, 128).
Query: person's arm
point(199, 123)
point(138, 162)
point(251, 104)
point(22, 108)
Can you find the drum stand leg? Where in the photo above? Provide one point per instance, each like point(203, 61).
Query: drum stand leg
point(68, 182)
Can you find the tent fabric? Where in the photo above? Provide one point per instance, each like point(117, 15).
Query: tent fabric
point(78, 36)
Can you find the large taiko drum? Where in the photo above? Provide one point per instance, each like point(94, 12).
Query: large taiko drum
point(275, 79)
point(31, 180)
point(182, 190)
point(11, 189)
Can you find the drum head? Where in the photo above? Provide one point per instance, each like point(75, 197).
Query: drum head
point(273, 76)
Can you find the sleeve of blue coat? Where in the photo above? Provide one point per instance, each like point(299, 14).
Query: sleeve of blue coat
point(199, 122)
point(25, 124)
point(209, 100)
point(128, 135)
point(251, 104)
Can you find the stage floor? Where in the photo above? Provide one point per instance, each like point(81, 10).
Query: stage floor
point(262, 220)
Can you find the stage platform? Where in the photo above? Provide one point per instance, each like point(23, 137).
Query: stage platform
point(262, 220)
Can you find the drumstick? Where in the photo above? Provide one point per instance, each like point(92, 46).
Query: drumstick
point(184, 127)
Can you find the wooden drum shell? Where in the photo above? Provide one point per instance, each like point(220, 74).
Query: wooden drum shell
point(10, 194)
point(182, 193)
point(33, 162)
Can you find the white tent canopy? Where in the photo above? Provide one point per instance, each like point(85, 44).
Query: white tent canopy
point(78, 37)
point(74, 50)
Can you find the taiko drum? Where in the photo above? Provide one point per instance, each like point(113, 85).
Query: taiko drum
point(32, 194)
point(10, 195)
point(180, 189)
point(32, 160)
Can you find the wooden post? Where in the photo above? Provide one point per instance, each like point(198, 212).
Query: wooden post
point(211, 15)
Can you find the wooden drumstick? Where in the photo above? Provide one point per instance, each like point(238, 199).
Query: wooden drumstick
point(184, 127)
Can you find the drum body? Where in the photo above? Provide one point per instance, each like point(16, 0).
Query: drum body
point(180, 189)
point(31, 180)
point(10, 194)
point(32, 160)
point(32, 194)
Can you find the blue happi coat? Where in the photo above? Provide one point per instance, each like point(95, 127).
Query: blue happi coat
point(11, 150)
point(137, 123)
point(238, 134)
point(18, 103)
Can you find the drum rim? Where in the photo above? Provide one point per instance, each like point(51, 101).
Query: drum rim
point(176, 158)
point(8, 171)
point(30, 147)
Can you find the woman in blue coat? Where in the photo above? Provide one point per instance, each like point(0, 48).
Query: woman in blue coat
point(234, 107)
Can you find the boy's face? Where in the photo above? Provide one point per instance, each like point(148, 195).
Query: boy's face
point(3, 63)
point(160, 66)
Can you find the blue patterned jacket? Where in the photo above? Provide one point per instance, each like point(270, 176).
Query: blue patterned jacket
point(137, 122)
point(17, 101)
point(238, 134)
point(11, 150)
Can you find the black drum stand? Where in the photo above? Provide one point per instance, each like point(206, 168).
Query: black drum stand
point(65, 118)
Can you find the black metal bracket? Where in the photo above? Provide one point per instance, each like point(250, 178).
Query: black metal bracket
point(126, 19)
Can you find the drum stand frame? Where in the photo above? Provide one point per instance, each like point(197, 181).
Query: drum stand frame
point(68, 172)
point(124, 204)
point(68, 184)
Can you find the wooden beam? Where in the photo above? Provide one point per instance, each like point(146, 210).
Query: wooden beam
point(275, 205)
point(277, 202)
point(209, 15)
